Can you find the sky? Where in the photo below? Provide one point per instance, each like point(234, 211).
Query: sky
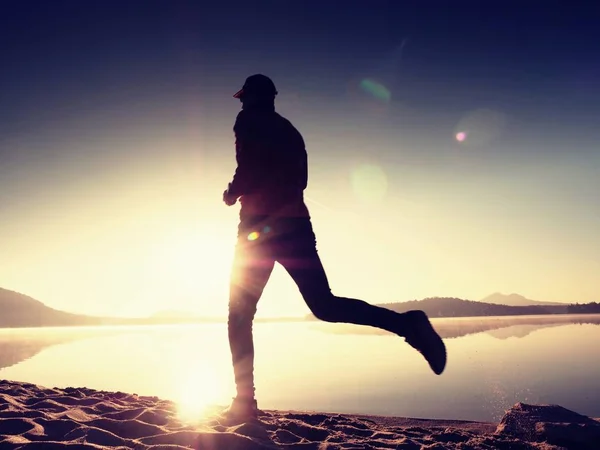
point(453, 148)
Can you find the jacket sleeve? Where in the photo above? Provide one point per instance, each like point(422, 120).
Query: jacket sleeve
point(245, 178)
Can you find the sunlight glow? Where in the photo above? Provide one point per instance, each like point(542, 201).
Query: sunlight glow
point(199, 390)
point(461, 136)
point(192, 265)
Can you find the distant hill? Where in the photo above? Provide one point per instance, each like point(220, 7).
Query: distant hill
point(456, 307)
point(18, 310)
point(498, 298)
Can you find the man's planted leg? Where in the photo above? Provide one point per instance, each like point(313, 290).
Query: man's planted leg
point(250, 274)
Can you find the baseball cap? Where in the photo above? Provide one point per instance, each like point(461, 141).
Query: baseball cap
point(257, 84)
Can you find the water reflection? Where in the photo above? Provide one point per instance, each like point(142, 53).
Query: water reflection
point(17, 345)
point(499, 327)
point(188, 364)
point(13, 351)
point(494, 362)
point(20, 344)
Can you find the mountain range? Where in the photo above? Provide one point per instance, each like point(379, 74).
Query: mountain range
point(19, 310)
point(498, 298)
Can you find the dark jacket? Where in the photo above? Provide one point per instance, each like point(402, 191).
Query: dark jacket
point(272, 168)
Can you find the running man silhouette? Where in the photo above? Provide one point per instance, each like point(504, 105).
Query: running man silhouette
point(275, 226)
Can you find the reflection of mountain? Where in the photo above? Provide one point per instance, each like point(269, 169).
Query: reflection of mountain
point(517, 326)
point(519, 331)
point(13, 351)
point(18, 345)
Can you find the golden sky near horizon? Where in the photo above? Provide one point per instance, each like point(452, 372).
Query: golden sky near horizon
point(133, 236)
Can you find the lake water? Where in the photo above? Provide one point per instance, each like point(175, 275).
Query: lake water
point(492, 364)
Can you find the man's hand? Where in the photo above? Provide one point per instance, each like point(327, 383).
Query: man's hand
point(228, 199)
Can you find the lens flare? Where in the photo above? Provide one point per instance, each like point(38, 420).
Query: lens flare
point(480, 127)
point(253, 236)
point(369, 182)
point(377, 90)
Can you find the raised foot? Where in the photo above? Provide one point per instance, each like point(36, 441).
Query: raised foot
point(421, 335)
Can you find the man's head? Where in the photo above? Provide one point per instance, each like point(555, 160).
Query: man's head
point(257, 89)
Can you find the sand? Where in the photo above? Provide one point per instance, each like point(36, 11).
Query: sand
point(35, 417)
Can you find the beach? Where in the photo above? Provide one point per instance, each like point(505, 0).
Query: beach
point(36, 417)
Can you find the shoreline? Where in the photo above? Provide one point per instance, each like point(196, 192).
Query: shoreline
point(37, 417)
point(140, 322)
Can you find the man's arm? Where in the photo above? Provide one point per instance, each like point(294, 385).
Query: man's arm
point(243, 177)
point(248, 161)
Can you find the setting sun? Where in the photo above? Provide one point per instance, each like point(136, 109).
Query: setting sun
point(200, 388)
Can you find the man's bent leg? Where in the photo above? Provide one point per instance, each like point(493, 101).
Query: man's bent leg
point(300, 259)
point(310, 277)
point(250, 273)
